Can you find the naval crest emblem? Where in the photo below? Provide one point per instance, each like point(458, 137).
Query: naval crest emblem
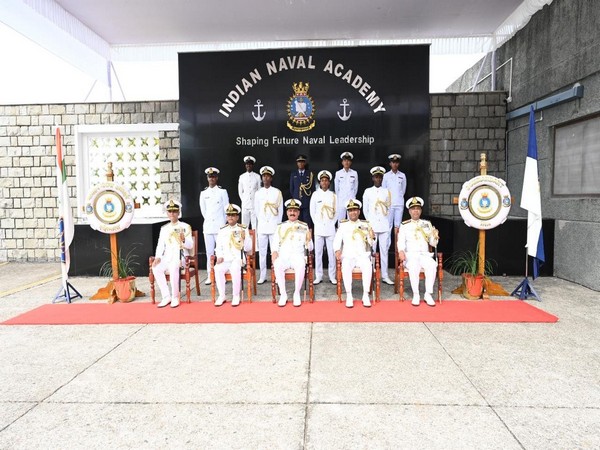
point(301, 109)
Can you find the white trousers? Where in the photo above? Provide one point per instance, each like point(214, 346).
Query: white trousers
point(384, 247)
point(159, 274)
point(209, 243)
point(364, 264)
point(320, 242)
point(395, 216)
point(414, 262)
point(249, 217)
point(284, 262)
point(234, 267)
point(263, 241)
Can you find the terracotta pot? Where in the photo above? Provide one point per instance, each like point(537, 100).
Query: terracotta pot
point(125, 289)
point(473, 284)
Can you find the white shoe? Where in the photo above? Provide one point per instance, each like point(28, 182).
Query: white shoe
point(220, 300)
point(261, 280)
point(416, 301)
point(235, 301)
point(334, 281)
point(175, 303)
point(366, 301)
point(317, 281)
point(349, 301)
point(429, 299)
point(283, 298)
point(297, 300)
point(164, 303)
point(207, 281)
point(387, 281)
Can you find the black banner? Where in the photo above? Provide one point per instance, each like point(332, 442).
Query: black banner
point(276, 104)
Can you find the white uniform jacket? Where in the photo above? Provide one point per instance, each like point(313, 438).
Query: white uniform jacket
point(415, 236)
point(230, 243)
point(169, 246)
point(248, 185)
point(268, 206)
point(323, 206)
point(376, 207)
point(291, 238)
point(346, 185)
point(213, 202)
point(396, 183)
point(354, 238)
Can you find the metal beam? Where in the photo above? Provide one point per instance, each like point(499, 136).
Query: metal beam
point(575, 92)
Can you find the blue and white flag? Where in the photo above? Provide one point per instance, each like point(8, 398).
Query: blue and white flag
point(532, 202)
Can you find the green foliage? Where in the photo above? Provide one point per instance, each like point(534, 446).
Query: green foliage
point(467, 262)
point(126, 265)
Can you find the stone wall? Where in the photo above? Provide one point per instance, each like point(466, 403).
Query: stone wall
point(556, 49)
point(462, 126)
point(28, 204)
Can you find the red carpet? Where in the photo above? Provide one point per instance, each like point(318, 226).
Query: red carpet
point(260, 312)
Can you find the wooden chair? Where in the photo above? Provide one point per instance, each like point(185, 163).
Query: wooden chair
point(189, 270)
point(290, 274)
point(357, 275)
point(401, 273)
point(248, 274)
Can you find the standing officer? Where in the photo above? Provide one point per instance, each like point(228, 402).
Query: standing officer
point(395, 181)
point(232, 241)
point(290, 244)
point(268, 205)
point(376, 207)
point(345, 183)
point(323, 204)
point(302, 185)
point(414, 238)
point(213, 200)
point(248, 184)
point(174, 242)
point(353, 244)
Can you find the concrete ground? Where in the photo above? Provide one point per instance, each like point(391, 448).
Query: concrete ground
point(299, 385)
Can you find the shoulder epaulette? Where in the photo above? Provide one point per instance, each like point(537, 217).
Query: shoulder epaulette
point(205, 188)
point(343, 220)
point(303, 223)
point(162, 226)
point(362, 220)
point(224, 226)
point(405, 222)
point(242, 225)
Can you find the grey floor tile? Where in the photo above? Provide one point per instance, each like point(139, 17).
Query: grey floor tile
point(157, 426)
point(544, 428)
point(352, 427)
point(201, 363)
point(384, 363)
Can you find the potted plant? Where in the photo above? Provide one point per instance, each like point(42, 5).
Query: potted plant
point(124, 288)
point(466, 264)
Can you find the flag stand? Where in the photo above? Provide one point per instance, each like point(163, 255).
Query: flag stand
point(67, 292)
point(525, 289)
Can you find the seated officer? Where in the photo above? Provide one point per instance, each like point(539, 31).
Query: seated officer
point(232, 241)
point(353, 245)
point(291, 241)
point(414, 238)
point(174, 242)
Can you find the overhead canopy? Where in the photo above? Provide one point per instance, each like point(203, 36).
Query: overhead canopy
point(90, 34)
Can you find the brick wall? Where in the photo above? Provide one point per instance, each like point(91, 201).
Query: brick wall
point(28, 202)
point(464, 125)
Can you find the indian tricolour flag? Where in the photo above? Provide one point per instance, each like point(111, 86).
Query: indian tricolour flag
point(66, 226)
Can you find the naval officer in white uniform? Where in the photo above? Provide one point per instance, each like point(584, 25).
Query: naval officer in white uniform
point(323, 211)
point(345, 183)
point(353, 245)
point(174, 243)
point(395, 181)
point(248, 184)
point(376, 208)
point(414, 238)
point(233, 241)
point(268, 204)
point(213, 201)
point(291, 242)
